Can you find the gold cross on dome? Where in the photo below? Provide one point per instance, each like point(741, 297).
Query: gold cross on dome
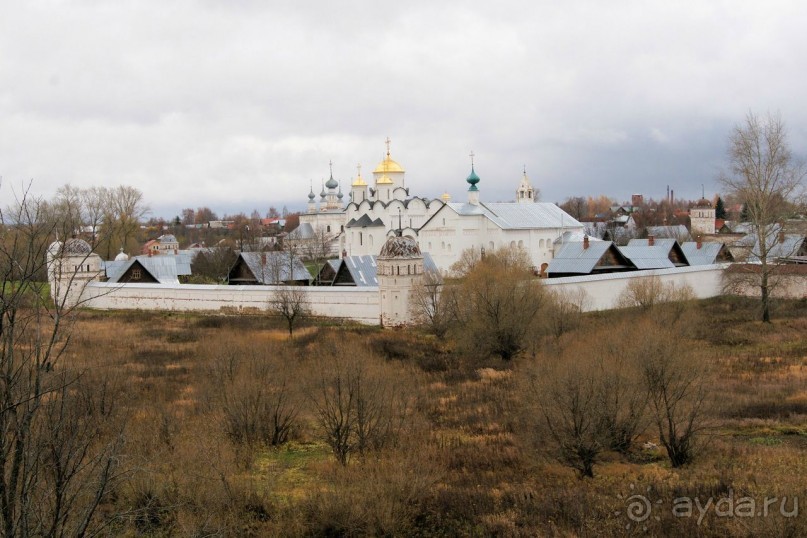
point(358, 167)
point(387, 141)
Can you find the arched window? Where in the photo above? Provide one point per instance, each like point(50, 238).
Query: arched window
point(360, 239)
point(449, 247)
point(512, 244)
point(443, 245)
point(520, 243)
point(328, 228)
point(370, 239)
point(541, 243)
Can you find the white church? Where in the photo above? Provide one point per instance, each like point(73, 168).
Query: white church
point(442, 228)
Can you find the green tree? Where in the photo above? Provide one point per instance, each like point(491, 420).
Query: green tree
point(720, 209)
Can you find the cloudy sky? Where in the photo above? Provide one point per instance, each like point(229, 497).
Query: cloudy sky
point(239, 105)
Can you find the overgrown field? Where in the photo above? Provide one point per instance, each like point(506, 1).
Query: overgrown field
point(232, 429)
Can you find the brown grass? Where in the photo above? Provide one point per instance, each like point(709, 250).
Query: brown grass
point(466, 465)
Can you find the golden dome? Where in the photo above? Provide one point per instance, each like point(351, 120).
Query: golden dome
point(359, 182)
point(384, 180)
point(446, 197)
point(388, 165)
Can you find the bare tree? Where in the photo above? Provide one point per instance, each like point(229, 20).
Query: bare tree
point(648, 292)
point(291, 303)
point(213, 264)
point(260, 404)
point(623, 396)
point(58, 442)
point(567, 396)
point(498, 303)
point(93, 200)
point(765, 177)
point(564, 313)
point(124, 209)
point(317, 249)
point(677, 382)
point(360, 409)
point(432, 303)
point(576, 206)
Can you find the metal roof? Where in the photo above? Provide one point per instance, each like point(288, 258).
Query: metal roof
point(364, 269)
point(778, 247)
point(303, 231)
point(647, 257)
point(162, 268)
point(574, 236)
point(573, 258)
point(705, 255)
point(274, 267)
point(363, 222)
point(183, 260)
point(665, 242)
point(514, 216)
point(676, 232)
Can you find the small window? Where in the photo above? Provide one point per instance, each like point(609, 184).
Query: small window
point(328, 228)
point(136, 275)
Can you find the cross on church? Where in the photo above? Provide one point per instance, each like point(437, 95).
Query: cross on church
point(387, 141)
point(330, 165)
point(472, 158)
point(358, 167)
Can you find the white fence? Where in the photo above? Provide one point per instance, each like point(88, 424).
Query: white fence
point(359, 304)
point(363, 304)
point(603, 291)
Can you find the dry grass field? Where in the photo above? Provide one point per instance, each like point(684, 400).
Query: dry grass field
point(453, 446)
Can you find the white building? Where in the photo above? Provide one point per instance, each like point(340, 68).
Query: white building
point(702, 218)
point(441, 228)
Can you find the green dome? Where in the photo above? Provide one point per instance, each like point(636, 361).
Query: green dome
point(331, 183)
point(472, 179)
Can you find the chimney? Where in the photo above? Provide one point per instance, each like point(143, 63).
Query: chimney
point(263, 258)
point(585, 242)
point(781, 235)
point(651, 241)
point(700, 242)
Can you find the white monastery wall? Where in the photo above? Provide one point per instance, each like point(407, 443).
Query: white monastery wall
point(359, 304)
point(363, 304)
point(603, 291)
